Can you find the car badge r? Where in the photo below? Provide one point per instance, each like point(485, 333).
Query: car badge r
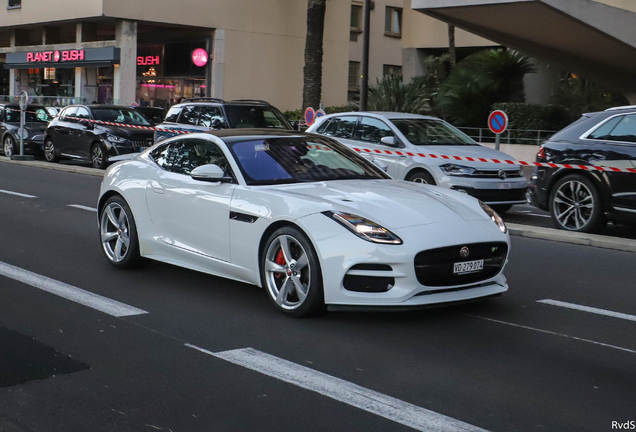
point(464, 252)
point(502, 174)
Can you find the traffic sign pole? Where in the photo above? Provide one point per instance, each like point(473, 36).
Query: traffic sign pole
point(24, 101)
point(497, 141)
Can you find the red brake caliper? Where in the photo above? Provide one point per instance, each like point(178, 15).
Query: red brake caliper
point(280, 259)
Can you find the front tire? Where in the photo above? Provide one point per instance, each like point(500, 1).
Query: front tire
point(118, 233)
point(291, 274)
point(49, 151)
point(421, 176)
point(98, 156)
point(8, 146)
point(575, 205)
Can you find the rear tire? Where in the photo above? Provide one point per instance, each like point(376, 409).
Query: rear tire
point(421, 176)
point(98, 156)
point(291, 274)
point(575, 205)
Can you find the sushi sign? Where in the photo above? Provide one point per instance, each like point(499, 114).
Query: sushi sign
point(55, 56)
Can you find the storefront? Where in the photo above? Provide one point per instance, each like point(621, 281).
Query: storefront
point(169, 72)
point(62, 77)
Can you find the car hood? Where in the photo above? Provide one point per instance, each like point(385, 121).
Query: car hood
point(391, 203)
point(477, 151)
point(129, 133)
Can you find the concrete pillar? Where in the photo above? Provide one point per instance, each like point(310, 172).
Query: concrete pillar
point(79, 84)
point(125, 76)
point(12, 83)
point(412, 63)
point(78, 34)
point(539, 87)
point(218, 64)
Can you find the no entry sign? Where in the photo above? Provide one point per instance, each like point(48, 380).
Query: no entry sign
point(310, 116)
point(497, 122)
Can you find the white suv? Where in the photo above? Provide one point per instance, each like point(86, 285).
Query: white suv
point(498, 185)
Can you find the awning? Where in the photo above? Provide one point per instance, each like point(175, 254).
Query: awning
point(90, 57)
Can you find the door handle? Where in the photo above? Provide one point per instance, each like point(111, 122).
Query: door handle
point(156, 187)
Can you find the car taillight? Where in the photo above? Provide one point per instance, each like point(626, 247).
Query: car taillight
point(541, 155)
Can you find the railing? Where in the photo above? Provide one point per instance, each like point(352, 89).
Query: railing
point(52, 101)
point(511, 136)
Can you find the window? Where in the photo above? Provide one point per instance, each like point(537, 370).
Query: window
point(173, 114)
point(372, 130)
point(321, 129)
point(68, 113)
point(393, 21)
point(120, 115)
point(431, 132)
point(356, 18)
point(189, 115)
point(184, 155)
point(208, 114)
point(82, 113)
point(625, 130)
point(354, 75)
point(391, 70)
point(342, 127)
point(255, 117)
point(14, 4)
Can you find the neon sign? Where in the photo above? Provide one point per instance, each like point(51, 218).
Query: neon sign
point(199, 57)
point(55, 56)
point(147, 61)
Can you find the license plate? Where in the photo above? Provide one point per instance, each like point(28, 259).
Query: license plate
point(468, 267)
point(504, 185)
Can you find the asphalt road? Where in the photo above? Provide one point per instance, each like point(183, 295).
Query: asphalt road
point(507, 364)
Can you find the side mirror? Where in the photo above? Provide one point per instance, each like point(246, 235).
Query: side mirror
point(210, 173)
point(217, 124)
point(87, 125)
point(294, 125)
point(388, 140)
point(380, 164)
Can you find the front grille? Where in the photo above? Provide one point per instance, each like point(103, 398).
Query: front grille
point(495, 173)
point(490, 195)
point(434, 267)
point(140, 143)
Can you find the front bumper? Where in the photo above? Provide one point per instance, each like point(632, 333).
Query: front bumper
point(340, 250)
point(489, 190)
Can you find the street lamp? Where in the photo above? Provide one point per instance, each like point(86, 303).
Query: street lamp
point(364, 72)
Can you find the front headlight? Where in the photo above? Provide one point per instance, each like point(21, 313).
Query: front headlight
point(495, 217)
point(115, 139)
point(457, 170)
point(364, 228)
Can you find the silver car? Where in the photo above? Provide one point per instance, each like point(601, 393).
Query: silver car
point(500, 186)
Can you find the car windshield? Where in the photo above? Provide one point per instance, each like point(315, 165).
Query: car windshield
point(267, 161)
point(34, 114)
point(247, 116)
point(425, 132)
point(120, 115)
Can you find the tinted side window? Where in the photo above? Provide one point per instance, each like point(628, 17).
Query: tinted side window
point(625, 130)
point(372, 130)
point(173, 114)
point(341, 127)
point(207, 115)
point(68, 113)
point(184, 155)
point(189, 115)
point(321, 129)
point(82, 113)
point(605, 129)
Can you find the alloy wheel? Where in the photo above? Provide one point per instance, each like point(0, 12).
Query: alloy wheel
point(287, 272)
point(573, 205)
point(8, 147)
point(115, 232)
point(49, 151)
point(97, 156)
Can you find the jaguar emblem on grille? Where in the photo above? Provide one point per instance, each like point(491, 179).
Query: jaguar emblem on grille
point(464, 252)
point(502, 174)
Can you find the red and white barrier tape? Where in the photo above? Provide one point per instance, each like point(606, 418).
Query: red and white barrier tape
point(404, 153)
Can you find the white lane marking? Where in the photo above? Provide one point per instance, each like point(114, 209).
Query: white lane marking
point(589, 309)
point(360, 397)
point(552, 333)
point(69, 292)
point(17, 194)
point(81, 207)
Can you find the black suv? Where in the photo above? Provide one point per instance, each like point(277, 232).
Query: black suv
point(36, 119)
point(204, 114)
point(73, 135)
point(581, 200)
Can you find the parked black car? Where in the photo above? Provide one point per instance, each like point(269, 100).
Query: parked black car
point(36, 120)
point(73, 135)
point(154, 115)
point(581, 200)
point(204, 114)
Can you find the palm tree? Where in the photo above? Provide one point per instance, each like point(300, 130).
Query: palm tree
point(312, 72)
point(451, 46)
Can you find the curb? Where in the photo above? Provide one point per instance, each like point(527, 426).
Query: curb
point(595, 240)
point(56, 166)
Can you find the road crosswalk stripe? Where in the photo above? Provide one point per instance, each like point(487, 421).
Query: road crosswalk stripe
point(589, 309)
